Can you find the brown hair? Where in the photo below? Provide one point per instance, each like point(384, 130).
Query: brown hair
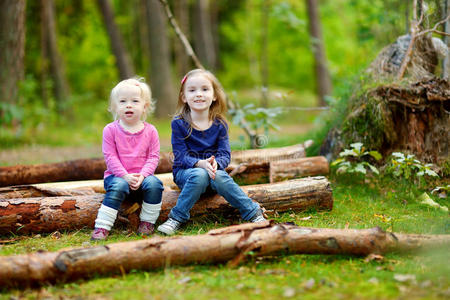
point(217, 109)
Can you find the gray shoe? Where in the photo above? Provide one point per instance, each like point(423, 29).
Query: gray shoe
point(258, 217)
point(170, 226)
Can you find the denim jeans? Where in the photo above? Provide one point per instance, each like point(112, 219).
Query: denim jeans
point(194, 182)
point(117, 190)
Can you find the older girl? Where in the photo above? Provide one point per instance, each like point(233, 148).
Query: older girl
point(202, 151)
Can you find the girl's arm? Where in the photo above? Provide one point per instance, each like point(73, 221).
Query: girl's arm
point(223, 155)
point(180, 149)
point(112, 160)
point(153, 154)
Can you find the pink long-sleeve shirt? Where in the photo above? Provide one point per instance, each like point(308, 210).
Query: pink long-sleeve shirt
point(127, 152)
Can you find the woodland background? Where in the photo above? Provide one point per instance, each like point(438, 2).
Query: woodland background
point(66, 56)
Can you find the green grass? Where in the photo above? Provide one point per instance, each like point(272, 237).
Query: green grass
point(299, 276)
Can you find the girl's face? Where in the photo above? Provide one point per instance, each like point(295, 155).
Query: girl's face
point(198, 93)
point(129, 105)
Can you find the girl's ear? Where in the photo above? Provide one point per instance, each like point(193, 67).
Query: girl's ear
point(183, 98)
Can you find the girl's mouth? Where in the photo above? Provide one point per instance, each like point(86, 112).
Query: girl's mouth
point(128, 113)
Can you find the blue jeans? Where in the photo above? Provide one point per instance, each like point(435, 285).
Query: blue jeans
point(194, 182)
point(117, 190)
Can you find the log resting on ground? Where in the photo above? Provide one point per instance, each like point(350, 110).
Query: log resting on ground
point(230, 244)
point(244, 174)
point(47, 214)
point(84, 169)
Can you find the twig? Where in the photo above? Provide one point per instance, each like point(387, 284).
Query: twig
point(414, 35)
point(250, 133)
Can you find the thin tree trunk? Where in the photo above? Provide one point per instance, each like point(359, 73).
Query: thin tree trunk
point(12, 49)
point(323, 80)
point(47, 214)
point(84, 169)
point(264, 53)
point(57, 69)
point(160, 64)
point(243, 174)
point(204, 42)
point(446, 63)
point(215, 19)
point(181, 10)
point(123, 61)
point(230, 244)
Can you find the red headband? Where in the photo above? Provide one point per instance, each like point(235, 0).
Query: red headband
point(184, 79)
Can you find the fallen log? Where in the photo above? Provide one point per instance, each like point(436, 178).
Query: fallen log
point(48, 214)
point(231, 244)
point(244, 174)
point(84, 169)
point(295, 168)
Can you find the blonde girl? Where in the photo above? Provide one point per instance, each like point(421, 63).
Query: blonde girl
point(131, 150)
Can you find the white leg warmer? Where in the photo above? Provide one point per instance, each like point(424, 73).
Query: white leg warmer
point(150, 212)
point(105, 217)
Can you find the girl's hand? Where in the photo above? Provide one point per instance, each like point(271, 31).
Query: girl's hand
point(213, 162)
point(139, 178)
point(205, 164)
point(131, 179)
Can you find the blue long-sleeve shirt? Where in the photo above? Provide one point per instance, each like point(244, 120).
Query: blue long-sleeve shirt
point(189, 149)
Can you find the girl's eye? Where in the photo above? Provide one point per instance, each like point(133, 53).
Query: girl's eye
point(191, 90)
point(122, 101)
point(136, 101)
point(205, 89)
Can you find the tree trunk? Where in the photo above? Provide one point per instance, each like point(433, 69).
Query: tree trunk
point(232, 244)
point(12, 50)
point(204, 41)
point(48, 214)
point(243, 174)
point(123, 61)
point(323, 80)
point(446, 63)
point(181, 10)
point(84, 169)
point(160, 64)
point(57, 69)
point(294, 168)
point(264, 61)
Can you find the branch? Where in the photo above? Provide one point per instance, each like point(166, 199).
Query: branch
point(190, 52)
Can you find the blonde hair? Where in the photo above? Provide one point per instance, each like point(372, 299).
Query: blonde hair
point(146, 95)
point(218, 108)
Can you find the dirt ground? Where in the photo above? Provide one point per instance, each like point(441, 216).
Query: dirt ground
point(37, 154)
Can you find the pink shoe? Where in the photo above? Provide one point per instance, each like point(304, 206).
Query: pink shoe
point(146, 228)
point(99, 234)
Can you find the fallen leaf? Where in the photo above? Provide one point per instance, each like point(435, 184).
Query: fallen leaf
point(306, 218)
point(56, 235)
point(425, 199)
point(309, 284)
point(289, 292)
point(373, 280)
point(372, 257)
point(184, 280)
point(405, 278)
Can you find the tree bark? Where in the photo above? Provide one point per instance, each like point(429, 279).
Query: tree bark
point(47, 214)
point(264, 60)
point(294, 168)
point(181, 10)
point(446, 63)
point(204, 41)
point(123, 60)
point(323, 80)
point(12, 49)
point(230, 244)
point(84, 169)
point(160, 64)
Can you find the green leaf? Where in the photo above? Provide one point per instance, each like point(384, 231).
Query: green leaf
point(360, 168)
point(375, 154)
